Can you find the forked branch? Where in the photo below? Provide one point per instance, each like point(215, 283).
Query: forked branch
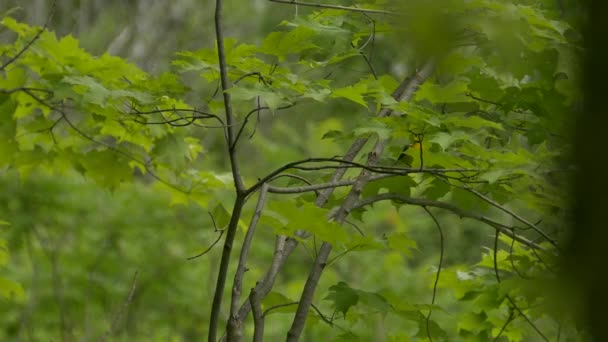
point(234, 329)
point(297, 326)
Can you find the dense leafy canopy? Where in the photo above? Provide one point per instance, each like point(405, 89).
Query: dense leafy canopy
point(479, 103)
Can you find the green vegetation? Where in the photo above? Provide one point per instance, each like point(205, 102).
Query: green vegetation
point(262, 188)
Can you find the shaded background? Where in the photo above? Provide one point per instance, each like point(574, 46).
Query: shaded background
point(75, 247)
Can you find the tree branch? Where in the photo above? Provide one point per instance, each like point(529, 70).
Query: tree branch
point(323, 186)
point(121, 311)
point(284, 246)
point(343, 165)
point(234, 328)
point(406, 91)
point(344, 8)
point(512, 214)
point(238, 181)
point(307, 294)
point(258, 316)
point(449, 207)
point(223, 270)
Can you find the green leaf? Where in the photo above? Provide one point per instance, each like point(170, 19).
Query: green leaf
point(375, 301)
point(354, 93)
point(468, 201)
point(288, 216)
point(494, 175)
point(401, 242)
point(3, 252)
point(173, 150)
point(470, 121)
point(106, 167)
point(270, 96)
point(373, 128)
point(343, 297)
point(282, 44)
point(221, 216)
point(473, 322)
point(333, 134)
point(437, 190)
point(11, 290)
point(93, 91)
point(454, 91)
point(13, 25)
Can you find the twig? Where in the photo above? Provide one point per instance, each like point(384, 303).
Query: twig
point(439, 267)
point(512, 214)
point(122, 310)
point(344, 8)
point(248, 116)
point(64, 117)
point(316, 187)
point(337, 257)
point(214, 242)
point(278, 306)
point(504, 326)
point(508, 297)
point(209, 248)
point(33, 40)
point(343, 165)
point(450, 207)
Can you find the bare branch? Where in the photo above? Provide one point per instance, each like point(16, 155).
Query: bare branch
point(344, 8)
point(284, 246)
point(258, 316)
point(449, 207)
point(234, 328)
point(248, 116)
point(239, 186)
point(398, 94)
point(316, 187)
point(238, 181)
point(219, 237)
point(239, 202)
point(122, 310)
point(439, 267)
point(405, 91)
point(512, 214)
point(303, 307)
point(199, 115)
point(343, 165)
point(511, 301)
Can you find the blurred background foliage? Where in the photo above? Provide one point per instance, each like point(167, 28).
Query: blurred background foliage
point(75, 247)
